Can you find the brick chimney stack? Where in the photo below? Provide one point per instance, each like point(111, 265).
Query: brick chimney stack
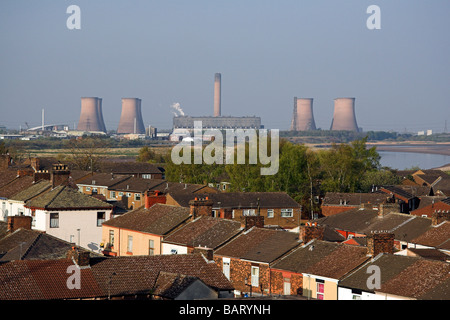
point(17, 222)
point(310, 231)
point(253, 221)
point(386, 208)
point(59, 175)
point(380, 243)
point(80, 258)
point(5, 161)
point(439, 216)
point(208, 253)
point(200, 207)
point(152, 197)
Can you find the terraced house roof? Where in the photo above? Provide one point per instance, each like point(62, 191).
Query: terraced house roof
point(260, 244)
point(66, 198)
point(158, 219)
point(206, 232)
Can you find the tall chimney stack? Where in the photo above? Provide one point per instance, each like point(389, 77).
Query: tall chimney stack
point(217, 95)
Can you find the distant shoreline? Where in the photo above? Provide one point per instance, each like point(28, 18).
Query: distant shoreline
point(442, 149)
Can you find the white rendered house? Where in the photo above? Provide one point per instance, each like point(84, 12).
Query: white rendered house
point(67, 214)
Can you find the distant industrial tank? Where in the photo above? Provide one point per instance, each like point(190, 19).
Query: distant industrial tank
point(131, 117)
point(344, 115)
point(217, 95)
point(303, 117)
point(91, 117)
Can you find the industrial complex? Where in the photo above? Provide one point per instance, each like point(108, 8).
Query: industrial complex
point(131, 123)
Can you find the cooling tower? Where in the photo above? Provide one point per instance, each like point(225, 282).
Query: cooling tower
point(100, 114)
point(131, 117)
point(217, 97)
point(91, 117)
point(344, 115)
point(303, 118)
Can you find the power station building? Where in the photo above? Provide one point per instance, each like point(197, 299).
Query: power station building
point(184, 125)
point(226, 122)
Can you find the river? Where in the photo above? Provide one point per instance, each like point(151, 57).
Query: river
point(407, 160)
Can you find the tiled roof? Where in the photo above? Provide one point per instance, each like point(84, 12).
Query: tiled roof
point(47, 279)
point(177, 187)
point(170, 285)
point(44, 280)
point(430, 254)
point(436, 236)
point(338, 263)
point(206, 232)
point(158, 219)
point(404, 276)
point(390, 266)
point(137, 185)
point(140, 273)
point(260, 244)
point(418, 279)
point(32, 191)
point(15, 186)
point(366, 221)
point(397, 191)
point(103, 179)
point(128, 167)
point(25, 244)
point(353, 199)
point(240, 199)
point(7, 176)
point(302, 258)
point(64, 197)
point(355, 220)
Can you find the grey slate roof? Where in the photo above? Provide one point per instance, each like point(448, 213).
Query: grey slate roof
point(240, 199)
point(205, 232)
point(64, 197)
point(159, 219)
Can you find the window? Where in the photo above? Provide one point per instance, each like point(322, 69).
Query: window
point(320, 289)
point(128, 194)
point(120, 193)
point(111, 238)
point(255, 276)
point(130, 244)
point(137, 196)
point(286, 286)
point(146, 176)
point(113, 194)
point(151, 247)
point(94, 191)
point(100, 218)
point(226, 267)
point(269, 213)
point(54, 220)
point(287, 213)
point(88, 188)
point(356, 294)
point(248, 212)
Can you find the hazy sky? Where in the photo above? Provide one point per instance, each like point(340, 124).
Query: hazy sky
point(268, 52)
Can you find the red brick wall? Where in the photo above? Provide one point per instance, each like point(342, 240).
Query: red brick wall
point(278, 278)
point(331, 210)
point(239, 270)
point(428, 210)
